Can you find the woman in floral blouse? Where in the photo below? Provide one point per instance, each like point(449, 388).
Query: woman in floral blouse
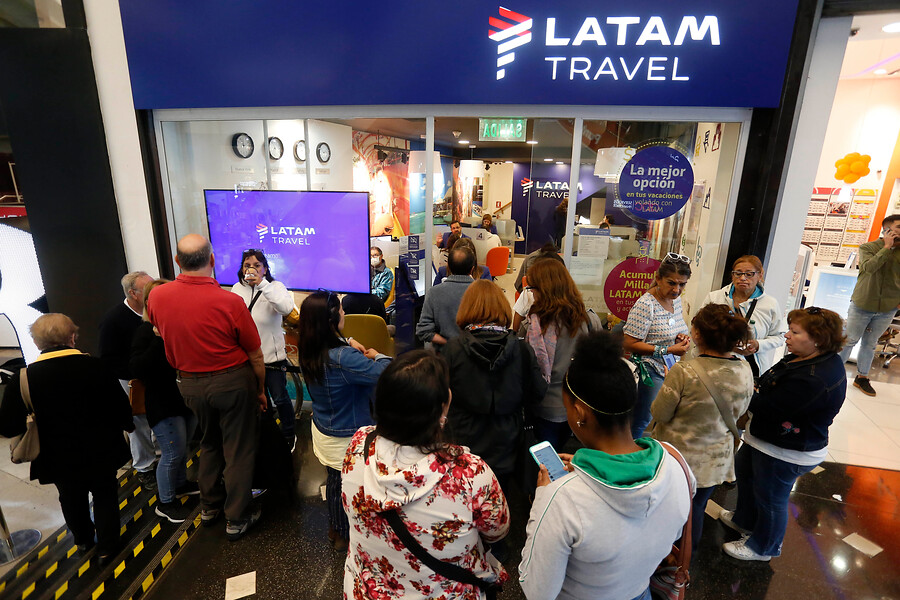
point(448, 499)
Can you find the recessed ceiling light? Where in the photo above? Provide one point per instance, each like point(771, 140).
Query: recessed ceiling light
point(531, 142)
point(892, 28)
point(559, 162)
point(880, 71)
point(422, 136)
point(509, 162)
point(463, 141)
point(471, 145)
point(548, 160)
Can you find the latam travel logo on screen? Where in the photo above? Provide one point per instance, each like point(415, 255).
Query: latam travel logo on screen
point(294, 236)
point(588, 52)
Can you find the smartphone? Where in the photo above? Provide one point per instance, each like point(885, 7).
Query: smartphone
point(544, 454)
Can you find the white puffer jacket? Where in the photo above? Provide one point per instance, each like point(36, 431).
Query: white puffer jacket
point(274, 302)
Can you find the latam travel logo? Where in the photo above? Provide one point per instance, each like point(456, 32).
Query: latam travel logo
point(510, 31)
point(262, 230)
point(527, 184)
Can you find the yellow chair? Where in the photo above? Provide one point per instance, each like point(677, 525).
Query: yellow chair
point(370, 331)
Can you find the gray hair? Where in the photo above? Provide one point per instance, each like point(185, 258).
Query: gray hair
point(129, 280)
point(194, 261)
point(53, 329)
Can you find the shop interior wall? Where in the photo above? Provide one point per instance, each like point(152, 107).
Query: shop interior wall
point(865, 118)
point(498, 185)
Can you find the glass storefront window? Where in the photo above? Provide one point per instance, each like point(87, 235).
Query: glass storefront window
point(631, 211)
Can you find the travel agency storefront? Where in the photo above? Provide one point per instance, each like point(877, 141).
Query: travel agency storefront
point(640, 113)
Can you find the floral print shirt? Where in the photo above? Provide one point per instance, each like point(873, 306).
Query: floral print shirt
point(451, 504)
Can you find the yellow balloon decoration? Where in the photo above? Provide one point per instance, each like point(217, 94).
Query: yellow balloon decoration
point(853, 166)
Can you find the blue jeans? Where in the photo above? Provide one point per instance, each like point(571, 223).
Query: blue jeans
point(276, 388)
point(866, 325)
point(646, 395)
point(698, 513)
point(764, 487)
point(172, 434)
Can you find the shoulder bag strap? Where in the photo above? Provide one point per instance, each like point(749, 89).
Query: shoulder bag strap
point(684, 553)
point(25, 390)
point(252, 302)
point(726, 415)
point(751, 358)
point(750, 310)
point(445, 569)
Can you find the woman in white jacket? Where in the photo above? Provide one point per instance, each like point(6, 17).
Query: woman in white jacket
point(746, 296)
point(268, 301)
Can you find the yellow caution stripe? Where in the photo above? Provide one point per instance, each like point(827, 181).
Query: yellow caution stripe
point(97, 592)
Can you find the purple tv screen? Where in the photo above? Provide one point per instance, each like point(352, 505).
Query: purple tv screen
point(312, 240)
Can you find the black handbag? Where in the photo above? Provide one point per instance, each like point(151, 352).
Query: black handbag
point(445, 569)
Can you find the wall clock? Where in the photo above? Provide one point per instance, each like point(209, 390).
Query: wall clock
point(300, 150)
point(242, 144)
point(323, 152)
point(276, 148)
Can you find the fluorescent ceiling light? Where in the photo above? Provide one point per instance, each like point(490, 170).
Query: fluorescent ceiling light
point(463, 141)
point(892, 28)
point(880, 71)
point(531, 142)
point(509, 162)
point(559, 162)
point(548, 160)
point(471, 145)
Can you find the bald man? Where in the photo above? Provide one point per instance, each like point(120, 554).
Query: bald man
point(212, 341)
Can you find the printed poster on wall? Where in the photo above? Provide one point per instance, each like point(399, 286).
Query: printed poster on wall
point(656, 183)
point(627, 282)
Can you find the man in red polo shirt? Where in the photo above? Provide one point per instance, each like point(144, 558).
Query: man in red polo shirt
point(212, 341)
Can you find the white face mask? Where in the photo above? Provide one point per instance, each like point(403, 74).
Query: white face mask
point(375, 260)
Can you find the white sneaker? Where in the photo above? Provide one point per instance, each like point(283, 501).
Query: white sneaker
point(741, 551)
point(726, 516)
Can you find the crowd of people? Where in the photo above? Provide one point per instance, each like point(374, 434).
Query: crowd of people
point(421, 450)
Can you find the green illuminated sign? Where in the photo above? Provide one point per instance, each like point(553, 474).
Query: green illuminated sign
point(501, 130)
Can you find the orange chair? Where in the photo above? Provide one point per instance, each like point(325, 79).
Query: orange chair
point(497, 259)
point(524, 285)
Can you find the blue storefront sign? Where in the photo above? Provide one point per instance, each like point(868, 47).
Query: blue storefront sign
point(208, 53)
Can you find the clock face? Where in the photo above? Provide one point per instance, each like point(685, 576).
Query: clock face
point(300, 150)
point(242, 144)
point(276, 148)
point(323, 152)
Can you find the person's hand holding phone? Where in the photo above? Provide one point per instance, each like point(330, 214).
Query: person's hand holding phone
point(890, 238)
point(680, 347)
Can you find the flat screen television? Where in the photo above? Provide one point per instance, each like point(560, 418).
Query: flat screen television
point(311, 239)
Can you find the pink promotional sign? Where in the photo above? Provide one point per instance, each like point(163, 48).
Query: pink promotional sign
point(627, 282)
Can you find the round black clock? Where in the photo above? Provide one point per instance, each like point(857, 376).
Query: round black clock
point(242, 144)
point(276, 148)
point(300, 150)
point(323, 152)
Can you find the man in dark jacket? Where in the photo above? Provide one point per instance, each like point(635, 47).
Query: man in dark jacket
point(116, 333)
point(81, 411)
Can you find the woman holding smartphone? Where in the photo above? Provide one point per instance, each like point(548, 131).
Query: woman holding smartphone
point(601, 530)
point(269, 301)
point(655, 331)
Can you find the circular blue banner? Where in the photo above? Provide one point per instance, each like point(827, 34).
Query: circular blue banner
point(656, 183)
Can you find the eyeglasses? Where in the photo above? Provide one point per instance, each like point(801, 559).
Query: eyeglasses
point(675, 257)
point(747, 274)
point(250, 251)
point(330, 295)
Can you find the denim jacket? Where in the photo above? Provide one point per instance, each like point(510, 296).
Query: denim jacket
point(341, 402)
point(797, 402)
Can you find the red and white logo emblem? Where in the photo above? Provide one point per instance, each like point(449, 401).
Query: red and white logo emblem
point(262, 230)
point(527, 184)
point(510, 31)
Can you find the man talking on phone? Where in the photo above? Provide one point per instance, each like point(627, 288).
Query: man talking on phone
point(875, 298)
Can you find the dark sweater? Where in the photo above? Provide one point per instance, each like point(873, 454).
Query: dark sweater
point(797, 402)
point(363, 304)
point(148, 363)
point(116, 332)
point(81, 412)
point(493, 376)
